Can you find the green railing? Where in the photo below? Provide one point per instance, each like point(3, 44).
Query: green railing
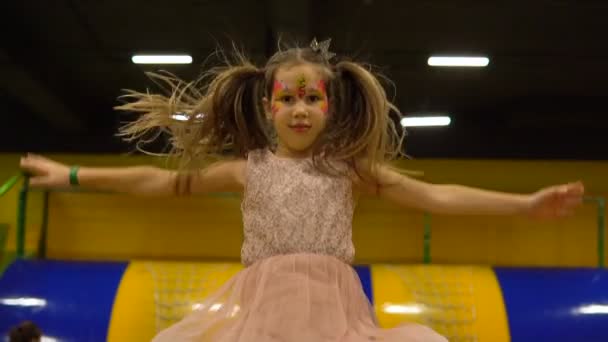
point(600, 203)
point(3, 237)
point(4, 227)
point(21, 214)
point(9, 184)
point(426, 239)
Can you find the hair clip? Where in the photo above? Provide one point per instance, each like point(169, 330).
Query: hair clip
point(322, 48)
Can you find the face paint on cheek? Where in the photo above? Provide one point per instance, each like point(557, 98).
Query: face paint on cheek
point(323, 90)
point(301, 86)
point(279, 87)
point(325, 107)
point(275, 108)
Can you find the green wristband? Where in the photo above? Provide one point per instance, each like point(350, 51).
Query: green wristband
point(74, 175)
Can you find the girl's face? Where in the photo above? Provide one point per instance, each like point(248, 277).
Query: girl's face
point(298, 108)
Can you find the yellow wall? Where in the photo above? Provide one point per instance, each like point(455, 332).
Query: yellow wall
point(112, 226)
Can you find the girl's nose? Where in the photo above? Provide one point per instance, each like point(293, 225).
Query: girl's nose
point(300, 111)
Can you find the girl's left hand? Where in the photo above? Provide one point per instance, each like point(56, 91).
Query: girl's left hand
point(556, 201)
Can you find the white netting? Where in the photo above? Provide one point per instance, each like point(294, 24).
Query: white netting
point(180, 287)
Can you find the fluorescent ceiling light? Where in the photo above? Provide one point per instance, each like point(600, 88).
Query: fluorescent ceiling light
point(456, 61)
point(420, 121)
point(161, 59)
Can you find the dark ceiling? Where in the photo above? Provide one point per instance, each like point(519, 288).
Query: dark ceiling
point(543, 96)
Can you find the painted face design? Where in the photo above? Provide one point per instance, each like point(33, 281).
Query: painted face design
point(278, 90)
point(301, 86)
point(323, 94)
point(281, 90)
point(298, 107)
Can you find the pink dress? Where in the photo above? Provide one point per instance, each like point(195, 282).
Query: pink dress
point(298, 285)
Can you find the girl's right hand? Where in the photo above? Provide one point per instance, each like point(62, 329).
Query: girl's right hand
point(45, 173)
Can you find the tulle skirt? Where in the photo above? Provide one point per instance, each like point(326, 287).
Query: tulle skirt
point(291, 298)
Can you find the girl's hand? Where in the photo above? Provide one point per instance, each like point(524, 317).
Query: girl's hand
point(45, 173)
point(556, 201)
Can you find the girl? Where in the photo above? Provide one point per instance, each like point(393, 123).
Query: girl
point(333, 138)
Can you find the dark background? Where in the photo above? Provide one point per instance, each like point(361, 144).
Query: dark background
point(543, 95)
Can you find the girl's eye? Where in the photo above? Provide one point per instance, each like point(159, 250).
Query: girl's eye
point(286, 98)
point(314, 98)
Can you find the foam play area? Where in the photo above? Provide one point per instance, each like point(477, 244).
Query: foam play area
point(90, 266)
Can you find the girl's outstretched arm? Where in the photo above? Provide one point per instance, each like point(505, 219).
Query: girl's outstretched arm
point(224, 176)
point(551, 202)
